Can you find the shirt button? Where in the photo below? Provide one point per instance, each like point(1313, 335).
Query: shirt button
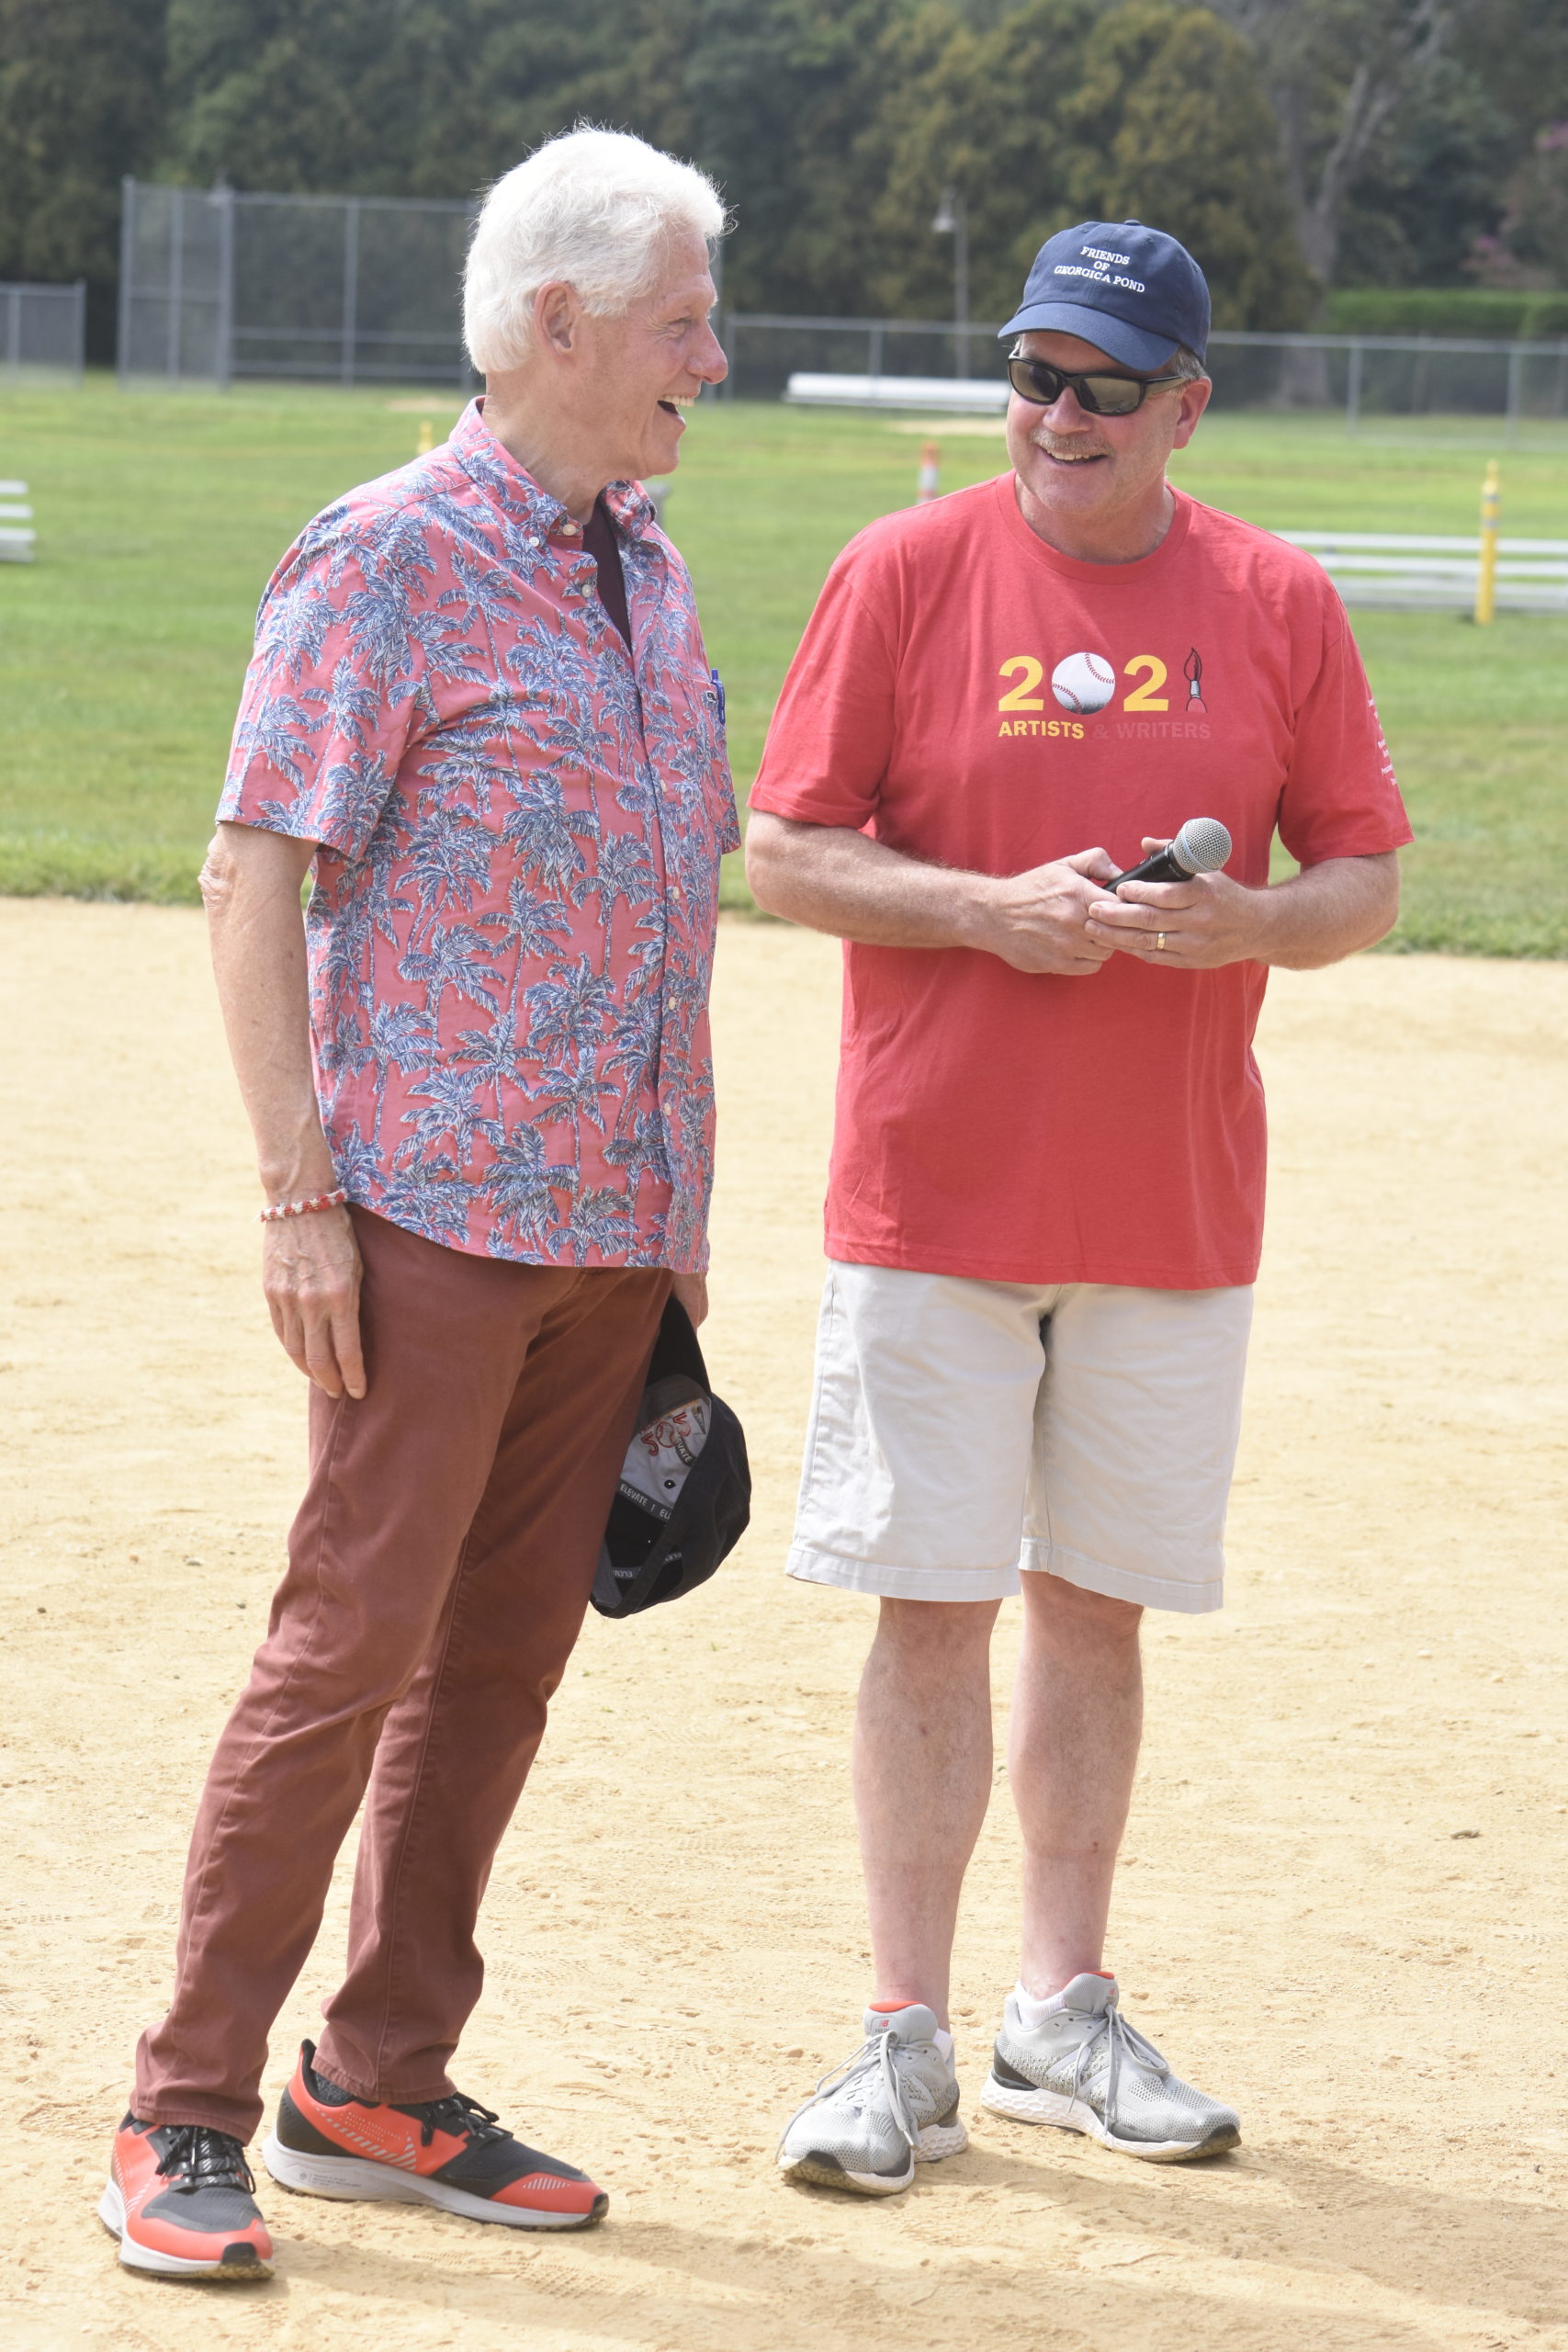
point(571, 530)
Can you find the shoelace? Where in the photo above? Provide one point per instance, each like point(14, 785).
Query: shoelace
point(461, 2116)
point(204, 2159)
point(1120, 2038)
point(876, 2053)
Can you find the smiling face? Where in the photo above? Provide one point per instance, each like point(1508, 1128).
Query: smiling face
point(598, 399)
point(636, 370)
point(1094, 486)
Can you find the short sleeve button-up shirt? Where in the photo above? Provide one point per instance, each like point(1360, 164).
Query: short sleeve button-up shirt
point(512, 924)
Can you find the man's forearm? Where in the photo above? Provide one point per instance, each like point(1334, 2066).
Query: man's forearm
point(839, 881)
point(1328, 911)
point(251, 885)
point(833, 880)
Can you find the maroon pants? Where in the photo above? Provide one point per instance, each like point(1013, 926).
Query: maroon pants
point(439, 1569)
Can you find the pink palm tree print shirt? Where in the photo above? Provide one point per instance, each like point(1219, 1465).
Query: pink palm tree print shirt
point(515, 900)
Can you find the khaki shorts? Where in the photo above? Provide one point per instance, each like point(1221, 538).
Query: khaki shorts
point(962, 1431)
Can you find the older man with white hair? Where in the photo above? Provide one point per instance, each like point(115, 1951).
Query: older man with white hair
point(481, 718)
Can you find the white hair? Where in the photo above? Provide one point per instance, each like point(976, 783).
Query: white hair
point(594, 208)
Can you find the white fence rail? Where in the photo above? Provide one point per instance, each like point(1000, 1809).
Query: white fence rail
point(16, 538)
point(1414, 572)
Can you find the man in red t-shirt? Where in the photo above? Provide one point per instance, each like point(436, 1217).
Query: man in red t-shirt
point(1046, 1196)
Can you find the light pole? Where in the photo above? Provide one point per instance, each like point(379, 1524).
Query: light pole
point(951, 222)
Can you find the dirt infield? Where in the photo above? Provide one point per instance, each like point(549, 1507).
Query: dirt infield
point(1345, 1905)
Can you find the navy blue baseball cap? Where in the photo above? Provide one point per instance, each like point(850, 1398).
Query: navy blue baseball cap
point(1132, 292)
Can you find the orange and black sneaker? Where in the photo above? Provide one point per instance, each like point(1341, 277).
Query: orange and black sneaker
point(179, 2201)
point(449, 2152)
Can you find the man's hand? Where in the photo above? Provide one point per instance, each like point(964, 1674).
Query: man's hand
point(1044, 921)
point(1324, 913)
point(311, 1277)
point(1203, 922)
point(692, 1290)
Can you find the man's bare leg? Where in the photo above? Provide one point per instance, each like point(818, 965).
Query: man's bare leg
point(1078, 1713)
point(923, 1778)
point(1077, 1720)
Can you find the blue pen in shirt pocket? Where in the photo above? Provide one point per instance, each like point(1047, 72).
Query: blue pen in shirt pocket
point(717, 684)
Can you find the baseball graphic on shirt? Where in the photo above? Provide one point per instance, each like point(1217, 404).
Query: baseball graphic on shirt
point(1084, 682)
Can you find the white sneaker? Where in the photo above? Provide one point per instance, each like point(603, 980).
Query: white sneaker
point(891, 2106)
point(1086, 2069)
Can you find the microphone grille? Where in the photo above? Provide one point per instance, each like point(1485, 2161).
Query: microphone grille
point(1203, 845)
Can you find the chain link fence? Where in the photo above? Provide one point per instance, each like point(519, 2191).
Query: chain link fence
point(43, 327)
point(216, 286)
point(343, 289)
point(1362, 377)
point(1367, 376)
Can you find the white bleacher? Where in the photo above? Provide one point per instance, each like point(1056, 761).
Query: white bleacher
point(1415, 573)
point(16, 541)
point(932, 395)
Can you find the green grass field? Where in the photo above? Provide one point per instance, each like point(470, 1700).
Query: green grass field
point(159, 516)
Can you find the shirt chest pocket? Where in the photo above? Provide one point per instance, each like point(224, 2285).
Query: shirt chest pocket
point(688, 747)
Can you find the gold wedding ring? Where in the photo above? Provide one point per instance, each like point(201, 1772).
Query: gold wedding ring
point(1159, 943)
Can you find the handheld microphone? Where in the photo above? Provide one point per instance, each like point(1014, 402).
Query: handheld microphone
point(1200, 847)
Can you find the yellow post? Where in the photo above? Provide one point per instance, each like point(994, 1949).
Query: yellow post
point(427, 438)
point(1486, 571)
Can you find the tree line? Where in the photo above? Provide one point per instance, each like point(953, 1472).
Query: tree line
point(1296, 145)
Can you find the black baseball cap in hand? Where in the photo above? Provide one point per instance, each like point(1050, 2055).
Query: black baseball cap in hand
point(1133, 293)
point(684, 1496)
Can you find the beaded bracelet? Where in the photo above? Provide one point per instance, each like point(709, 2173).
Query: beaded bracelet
point(275, 1215)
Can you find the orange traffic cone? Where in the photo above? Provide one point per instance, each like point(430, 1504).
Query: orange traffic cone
point(929, 474)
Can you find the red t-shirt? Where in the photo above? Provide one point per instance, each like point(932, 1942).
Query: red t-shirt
point(970, 697)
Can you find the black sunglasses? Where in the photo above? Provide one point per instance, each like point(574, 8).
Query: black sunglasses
point(1032, 380)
